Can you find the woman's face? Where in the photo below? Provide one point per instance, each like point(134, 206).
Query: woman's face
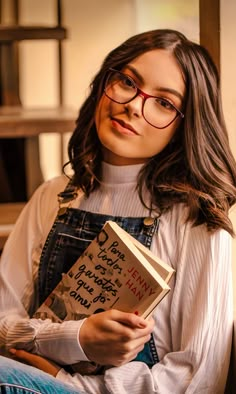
point(125, 135)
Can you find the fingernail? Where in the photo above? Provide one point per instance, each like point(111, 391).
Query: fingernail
point(142, 325)
point(13, 351)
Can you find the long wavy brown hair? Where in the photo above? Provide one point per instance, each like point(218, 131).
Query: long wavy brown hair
point(197, 167)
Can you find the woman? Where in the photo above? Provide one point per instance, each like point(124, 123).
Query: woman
point(150, 141)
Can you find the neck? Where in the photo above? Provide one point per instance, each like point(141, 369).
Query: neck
point(116, 160)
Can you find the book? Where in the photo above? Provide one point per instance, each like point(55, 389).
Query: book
point(115, 271)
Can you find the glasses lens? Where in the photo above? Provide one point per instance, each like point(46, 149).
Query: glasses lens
point(159, 112)
point(120, 88)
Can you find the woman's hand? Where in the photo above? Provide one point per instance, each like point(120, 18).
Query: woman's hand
point(36, 361)
point(114, 337)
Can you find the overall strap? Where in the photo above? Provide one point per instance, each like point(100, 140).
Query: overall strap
point(65, 197)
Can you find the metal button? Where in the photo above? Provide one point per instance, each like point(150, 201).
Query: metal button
point(148, 221)
point(62, 211)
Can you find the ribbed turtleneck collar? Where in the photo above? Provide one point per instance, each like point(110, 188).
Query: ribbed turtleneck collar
point(120, 174)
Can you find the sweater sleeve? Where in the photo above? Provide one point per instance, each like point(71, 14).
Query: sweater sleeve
point(18, 281)
point(193, 328)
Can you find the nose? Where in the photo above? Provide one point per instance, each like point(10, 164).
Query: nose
point(135, 106)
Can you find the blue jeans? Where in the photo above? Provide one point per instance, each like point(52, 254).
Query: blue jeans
point(18, 378)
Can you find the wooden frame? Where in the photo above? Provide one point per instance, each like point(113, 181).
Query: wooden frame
point(209, 20)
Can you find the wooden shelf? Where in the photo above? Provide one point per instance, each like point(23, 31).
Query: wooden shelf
point(19, 33)
point(8, 214)
point(16, 122)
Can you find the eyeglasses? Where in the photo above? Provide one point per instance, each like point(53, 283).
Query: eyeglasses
point(157, 111)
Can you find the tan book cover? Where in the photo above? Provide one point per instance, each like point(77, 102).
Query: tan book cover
point(115, 271)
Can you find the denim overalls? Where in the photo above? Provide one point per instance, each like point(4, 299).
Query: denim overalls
point(71, 234)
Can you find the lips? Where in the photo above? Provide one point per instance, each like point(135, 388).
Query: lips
point(124, 125)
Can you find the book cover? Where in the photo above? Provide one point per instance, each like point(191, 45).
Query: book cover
point(115, 271)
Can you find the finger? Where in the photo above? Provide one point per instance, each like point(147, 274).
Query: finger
point(27, 357)
point(36, 361)
point(20, 354)
point(129, 319)
point(130, 354)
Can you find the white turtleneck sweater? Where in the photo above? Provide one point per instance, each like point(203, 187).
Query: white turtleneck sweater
point(193, 322)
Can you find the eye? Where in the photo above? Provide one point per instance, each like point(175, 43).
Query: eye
point(165, 104)
point(127, 81)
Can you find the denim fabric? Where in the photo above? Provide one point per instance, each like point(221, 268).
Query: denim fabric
point(18, 378)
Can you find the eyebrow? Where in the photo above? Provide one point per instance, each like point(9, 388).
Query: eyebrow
point(161, 89)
